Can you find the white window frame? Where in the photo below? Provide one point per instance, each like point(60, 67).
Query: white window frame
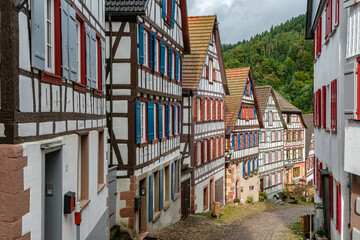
point(270, 119)
point(143, 121)
point(49, 63)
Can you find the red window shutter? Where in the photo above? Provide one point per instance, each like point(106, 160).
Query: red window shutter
point(331, 193)
point(196, 154)
point(358, 90)
point(328, 14)
point(219, 110)
point(223, 141)
point(338, 207)
point(319, 36)
point(202, 107)
point(236, 141)
point(314, 109)
point(241, 141)
point(195, 110)
point(203, 143)
point(319, 107)
point(335, 106)
point(208, 109)
point(314, 47)
point(337, 12)
point(219, 146)
point(213, 72)
point(320, 181)
point(214, 148)
point(209, 150)
point(207, 72)
point(324, 107)
point(214, 109)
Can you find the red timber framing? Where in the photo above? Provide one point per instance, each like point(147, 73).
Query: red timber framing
point(324, 106)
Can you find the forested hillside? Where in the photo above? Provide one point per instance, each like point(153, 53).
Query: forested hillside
point(281, 58)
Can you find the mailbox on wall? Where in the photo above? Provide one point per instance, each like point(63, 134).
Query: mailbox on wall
point(69, 202)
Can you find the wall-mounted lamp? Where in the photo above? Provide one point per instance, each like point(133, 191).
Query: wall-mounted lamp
point(18, 4)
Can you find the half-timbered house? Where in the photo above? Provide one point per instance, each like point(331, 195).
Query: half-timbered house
point(53, 124)
point(204, 90)
point(242, 128)
point(147, 41)
point(333, 27)
point(271, 143)
point(294, 137)
point(309, 149)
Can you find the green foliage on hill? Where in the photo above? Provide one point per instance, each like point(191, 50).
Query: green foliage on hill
point(281, 58)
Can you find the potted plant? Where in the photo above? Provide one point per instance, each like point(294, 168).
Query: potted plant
point(236, 201)
point(249, 199)
point(256, 171)
point(262, 196)
point(246, 176)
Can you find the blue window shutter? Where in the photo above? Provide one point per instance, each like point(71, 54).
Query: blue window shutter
point(257, 164)
point(64, 39)
point(151, 205)
point(253, 164)
point(179, 171)
point(172, 13)
point(181, 73)
point(177, 67)
point(103, 67)
point(162, 57)
point(250, 88)
point(141, 44)
point(238, 141)
point(161, 190)
point(254, 139)
point(167, 120)
point(138, 121)
point(152, 50)
point(249, 163)
point(244, 140)
point(88, 57)
point(233, 140)
point(180, 119)
point(150, 120)
point(170, 62)
point(160, 119)
point(243, 169)
point(172, 179)
point(249, 135)
point(93, 49)
point(174, 120)
point(240, 113)
point(163, 10)
point(245, 89)
point(38, 34)
point(72, 37)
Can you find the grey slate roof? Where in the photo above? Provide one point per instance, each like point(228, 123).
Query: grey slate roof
point(126, 6)
point(308, 118)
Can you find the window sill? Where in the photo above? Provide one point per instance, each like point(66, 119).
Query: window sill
point(98, 93)
point(156, 216)
point(100, 187)
point(79, 87)
point(51, 78)
point(84, 203)
point(176, 196)
point(166, 205)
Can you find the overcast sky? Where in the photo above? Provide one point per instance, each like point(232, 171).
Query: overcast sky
point(242, 19)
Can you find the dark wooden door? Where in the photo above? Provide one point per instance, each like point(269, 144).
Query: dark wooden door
point(219, 190)
point(185, 199)
point(262, 185)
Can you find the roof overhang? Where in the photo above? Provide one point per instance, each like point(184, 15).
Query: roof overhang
point(311, 23)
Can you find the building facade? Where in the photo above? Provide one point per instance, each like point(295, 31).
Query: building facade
point(309, 149)
point(242, 128)
point(294, 142)
point(271, 143)
point(53, 123)
point(331, 25)
point(204, 90)
point(147, 41)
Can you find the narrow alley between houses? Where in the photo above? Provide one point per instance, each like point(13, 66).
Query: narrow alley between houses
point(245, 222)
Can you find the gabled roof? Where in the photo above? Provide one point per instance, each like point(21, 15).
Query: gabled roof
point(262, 93)
point(285, 105)
point(237, 79)
point(200, 30)
point(136, 7)
point(308, 118)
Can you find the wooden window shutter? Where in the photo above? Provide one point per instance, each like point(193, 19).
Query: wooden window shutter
point(207, 72)
point(162, 55)
point(331, 193)
point(161, 190)
point(324, 107)
point(320, 190)
point(172, 13)
point(219, 110)
point(214, 109)
point(195, 109)
point(167, 120)
point(214, 148)
point(236, 141)
point(219, 146)
point(138, 121)
point(202, 152)
point(141, 44)
point(150, 121)
point(338, 206)
point(151, 210)
point(202, 111)
point(244, 140)
point(208, 150)
point(38, 35)
point(177, 58)
point(172, 180)
point(160, 120)
point(152, 50)
point(163, 9)
point(170, 59)
point(244, 169)
point(335, 105)
point(213, 71)
point(319, 36)
point(208, 113)
point(314, 108)
point(314, 47)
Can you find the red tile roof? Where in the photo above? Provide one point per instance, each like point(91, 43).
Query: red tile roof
point(200, 29)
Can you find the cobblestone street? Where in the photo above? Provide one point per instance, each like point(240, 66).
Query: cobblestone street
point(247, 222)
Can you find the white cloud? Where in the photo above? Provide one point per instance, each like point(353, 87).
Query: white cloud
point(242, 19)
